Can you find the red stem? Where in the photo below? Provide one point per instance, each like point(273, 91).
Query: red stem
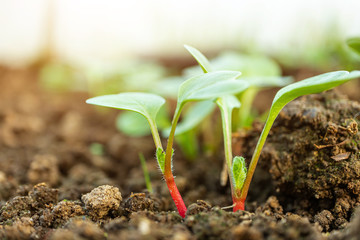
point(239, 204)
point(175, 194)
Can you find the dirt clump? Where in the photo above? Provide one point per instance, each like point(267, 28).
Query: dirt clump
point(22, 228)
point(352, 232)
point(43, 197)
point(65, 210)
point(101, 201)
point(315, 162)
point(7, 186)
point(142, 201)
point(199, 206)
point(44, 168)
point(78, 228)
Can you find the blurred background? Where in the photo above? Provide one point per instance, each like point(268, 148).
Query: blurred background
point(111, 46)
point(88, 32)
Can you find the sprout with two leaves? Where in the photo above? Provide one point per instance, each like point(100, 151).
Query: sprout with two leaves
point(240, 177)
point(198, 88)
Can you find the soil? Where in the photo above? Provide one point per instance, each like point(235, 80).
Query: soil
point(53, 185)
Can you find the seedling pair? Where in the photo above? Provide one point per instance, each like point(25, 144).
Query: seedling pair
point(220, 86)
point(201, 87)
point(239, 176)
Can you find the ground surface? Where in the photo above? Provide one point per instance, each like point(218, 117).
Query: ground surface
point(54, 186)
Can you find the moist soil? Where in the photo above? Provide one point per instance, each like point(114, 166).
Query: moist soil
point(54, 185)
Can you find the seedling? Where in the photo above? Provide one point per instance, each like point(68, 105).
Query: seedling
point(198, 88)
point(240, 177)
point(146, 173)
point(285, 95)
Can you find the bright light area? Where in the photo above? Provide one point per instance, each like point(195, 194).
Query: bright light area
point(83, 31)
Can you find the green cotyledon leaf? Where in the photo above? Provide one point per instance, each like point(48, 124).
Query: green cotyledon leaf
point(146, 104)
point(200, 58)
point(210, 86)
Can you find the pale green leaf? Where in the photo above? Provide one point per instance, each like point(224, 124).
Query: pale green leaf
point(210, 86)
point(132, 124)
point(354, 43)
point(167, 87)
point(248, 65)
point(311, 85)
point(228, 103)
point(268, 81)
point(200, 58)
point(146, 104)
point(135, 125)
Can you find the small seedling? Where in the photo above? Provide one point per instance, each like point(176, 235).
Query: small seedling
point(198, 88)
point(146, 173)
point(240, 177)
point(285, 95)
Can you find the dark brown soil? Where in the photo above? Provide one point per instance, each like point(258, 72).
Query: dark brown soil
point(52, 186)
point(315, 160)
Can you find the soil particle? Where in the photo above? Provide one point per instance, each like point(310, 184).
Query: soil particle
point(78, 228)
point(44, 169)
point(43, 197)
point(241, 232)
point(272, 208)
point(17, 207)
point(199, 206)
point(37, 205)
point(161, 217)
point(101, 201)
point(71, 126)
point(293, 227)
point(147, 225)
point(85, 178)
point(352, 232)
point(140, 202)
point(324, 218)
point(7, 186)
point(22, 228)
point(214, 224)
point(65, 210)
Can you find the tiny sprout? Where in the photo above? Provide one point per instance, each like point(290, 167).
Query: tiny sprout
point(146, 173)
point(239, 172)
